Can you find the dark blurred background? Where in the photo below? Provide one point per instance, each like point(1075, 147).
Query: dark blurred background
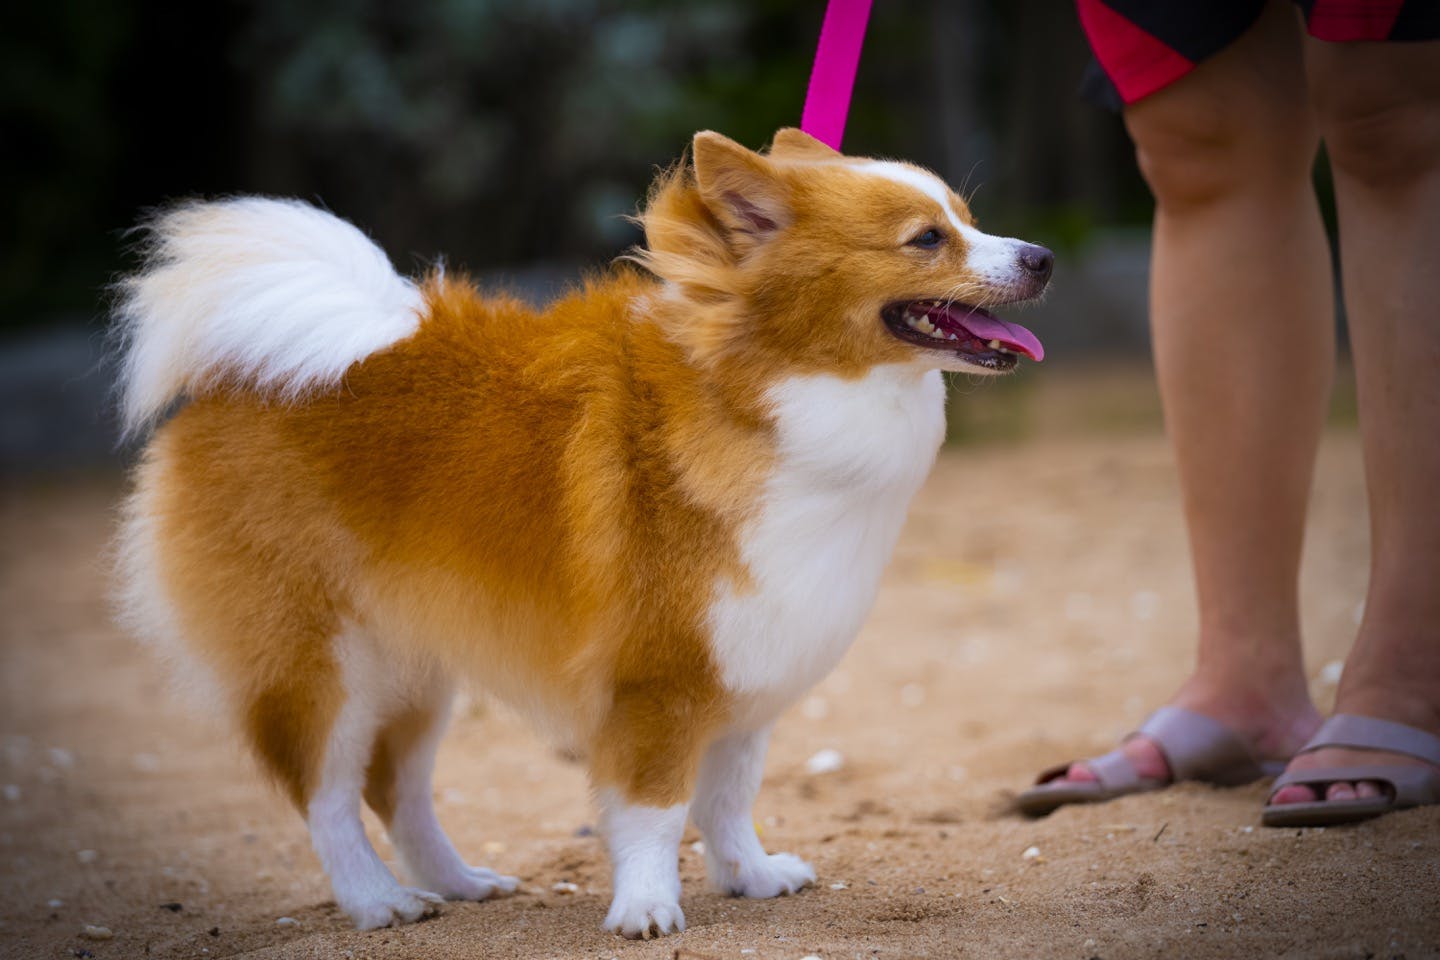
point(511, 138)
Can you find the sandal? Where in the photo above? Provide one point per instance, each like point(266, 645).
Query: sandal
point(1408, 785)
point(1195, 747)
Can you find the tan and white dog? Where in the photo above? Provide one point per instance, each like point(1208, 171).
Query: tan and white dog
point(648, 516)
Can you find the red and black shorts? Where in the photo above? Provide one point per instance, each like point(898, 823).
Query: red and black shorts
point(1144, 45)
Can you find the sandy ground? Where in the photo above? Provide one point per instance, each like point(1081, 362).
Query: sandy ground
point(1037, 606)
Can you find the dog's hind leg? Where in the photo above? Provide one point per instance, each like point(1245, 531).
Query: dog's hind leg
point(223, 565)
point(725, 792)
point(364, 887)
point(397, 787)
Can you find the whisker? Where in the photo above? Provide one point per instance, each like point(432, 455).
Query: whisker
point(965, 183)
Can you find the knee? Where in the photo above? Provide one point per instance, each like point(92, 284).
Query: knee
point(1378, 133)
point(1197, 151)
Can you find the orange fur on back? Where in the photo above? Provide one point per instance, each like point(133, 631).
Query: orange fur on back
point(531, 497)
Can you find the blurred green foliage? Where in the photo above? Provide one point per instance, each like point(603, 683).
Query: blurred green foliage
point(500, 132)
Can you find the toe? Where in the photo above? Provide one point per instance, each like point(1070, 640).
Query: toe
point(482, 884)
point(400, 905)
point(641, 920)
point(1340, 791)
point(418, 903)
point(669, 920)
point(469, 883)
point(1294, 793)
point(1368, 790)
point(1079, 773)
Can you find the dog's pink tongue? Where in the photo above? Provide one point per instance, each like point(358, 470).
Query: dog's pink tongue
point(1012, 335)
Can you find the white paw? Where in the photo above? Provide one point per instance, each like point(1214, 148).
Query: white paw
point(774, 876)
point(392, 907)
point(640, 918)
point(472, 883)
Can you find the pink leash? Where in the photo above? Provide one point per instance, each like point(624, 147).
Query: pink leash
point(827, 102)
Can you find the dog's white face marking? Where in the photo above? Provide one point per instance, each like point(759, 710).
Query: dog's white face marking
point(850, 455)
point(925, 182)
point(992, 259)
point(644, 847)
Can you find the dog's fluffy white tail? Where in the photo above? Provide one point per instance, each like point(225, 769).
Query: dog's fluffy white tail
point(272, 294)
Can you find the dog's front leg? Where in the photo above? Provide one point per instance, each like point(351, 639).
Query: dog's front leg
point(644, 844)
point(643, 766)
point(730, 775)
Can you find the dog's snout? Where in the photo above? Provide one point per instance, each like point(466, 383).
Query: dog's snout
point(1036, 261)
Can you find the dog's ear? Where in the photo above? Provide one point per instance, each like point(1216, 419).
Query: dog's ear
point(794, 142)
point(741, 188)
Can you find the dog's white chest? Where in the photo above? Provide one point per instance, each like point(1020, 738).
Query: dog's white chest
point(851, 454)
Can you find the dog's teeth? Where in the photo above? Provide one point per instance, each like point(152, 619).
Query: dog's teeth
point(918, 319)
point(994, 344)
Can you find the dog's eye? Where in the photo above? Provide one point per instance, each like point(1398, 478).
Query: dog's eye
point(929, 239)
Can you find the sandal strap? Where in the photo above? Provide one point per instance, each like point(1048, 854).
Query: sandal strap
point(1114, 771)
point(1372, 733)
point(1198, 747)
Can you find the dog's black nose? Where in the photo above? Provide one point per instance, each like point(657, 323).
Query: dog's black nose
point(1037, 261)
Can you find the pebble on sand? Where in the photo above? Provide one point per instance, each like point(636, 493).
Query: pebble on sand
point(287, 922)
point(86, 856)
point(93, 932)
point(825, 761)
point(1031, 853)
point(565, 886)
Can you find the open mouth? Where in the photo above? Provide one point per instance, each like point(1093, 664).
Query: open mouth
point(972, 334)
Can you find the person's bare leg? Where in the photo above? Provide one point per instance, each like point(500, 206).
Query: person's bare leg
point(1242, 316)
point(1379, 109)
